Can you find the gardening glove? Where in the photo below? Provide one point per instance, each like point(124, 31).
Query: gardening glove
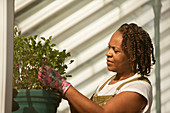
point(52, 79)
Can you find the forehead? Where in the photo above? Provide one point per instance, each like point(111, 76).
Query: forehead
point(116, 39)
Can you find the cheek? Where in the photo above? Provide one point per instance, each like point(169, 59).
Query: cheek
point(124, 64)
point(121, 61)
point(120, 64)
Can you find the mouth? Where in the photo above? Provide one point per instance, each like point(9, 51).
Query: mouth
point(109, 62)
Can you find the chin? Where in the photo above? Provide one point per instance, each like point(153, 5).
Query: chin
point(110, 69)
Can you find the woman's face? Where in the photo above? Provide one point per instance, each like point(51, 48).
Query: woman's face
point(117, 61)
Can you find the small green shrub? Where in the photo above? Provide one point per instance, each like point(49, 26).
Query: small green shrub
point(30, 54)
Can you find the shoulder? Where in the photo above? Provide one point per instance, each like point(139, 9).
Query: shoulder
point(137, 83)
point(140, 87)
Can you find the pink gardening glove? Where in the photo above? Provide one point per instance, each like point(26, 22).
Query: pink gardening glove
point(52, 79)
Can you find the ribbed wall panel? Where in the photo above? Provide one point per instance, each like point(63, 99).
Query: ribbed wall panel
point(84, 28)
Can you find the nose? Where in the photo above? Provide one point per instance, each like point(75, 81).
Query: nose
point(108, 53)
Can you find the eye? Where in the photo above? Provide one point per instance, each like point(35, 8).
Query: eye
point(116, 51)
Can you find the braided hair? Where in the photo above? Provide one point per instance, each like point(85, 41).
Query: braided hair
point(138, 47)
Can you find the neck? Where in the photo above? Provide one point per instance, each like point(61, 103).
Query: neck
point(122, 76)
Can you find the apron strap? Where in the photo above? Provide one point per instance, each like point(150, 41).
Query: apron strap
point(106, 82)
point(139, 78)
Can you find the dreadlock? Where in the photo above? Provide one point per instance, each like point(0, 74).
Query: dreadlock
point(138, 47)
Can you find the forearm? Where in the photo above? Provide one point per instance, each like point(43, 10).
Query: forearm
point(81, 103)
point(72, 108)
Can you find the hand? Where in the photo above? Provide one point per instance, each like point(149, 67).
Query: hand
point(52, 79)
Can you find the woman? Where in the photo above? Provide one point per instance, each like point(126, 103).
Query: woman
point(130, 55)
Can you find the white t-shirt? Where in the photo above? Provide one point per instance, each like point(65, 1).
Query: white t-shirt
point(138, 86)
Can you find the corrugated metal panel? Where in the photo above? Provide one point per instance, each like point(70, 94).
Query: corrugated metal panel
point(84, 28)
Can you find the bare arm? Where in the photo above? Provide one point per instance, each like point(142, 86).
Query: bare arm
point(81, 103)
point(72, 108)
point(127, 102)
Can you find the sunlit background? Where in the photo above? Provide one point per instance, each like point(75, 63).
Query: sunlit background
point(84, 27)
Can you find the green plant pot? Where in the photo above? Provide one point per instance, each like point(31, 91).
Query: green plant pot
point(37, 101)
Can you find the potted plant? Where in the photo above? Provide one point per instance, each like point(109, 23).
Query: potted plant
point(29, 55)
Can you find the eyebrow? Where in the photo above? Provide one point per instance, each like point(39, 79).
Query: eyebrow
point(113, 46)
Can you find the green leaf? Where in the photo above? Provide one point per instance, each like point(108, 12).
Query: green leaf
point(50, 37)
point(43, 38)
point(19, 33)
point(35, 37)
point(53, 45)
point(29, 55)
point(71, 61)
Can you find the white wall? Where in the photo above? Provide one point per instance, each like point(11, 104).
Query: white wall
point(84, 27)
